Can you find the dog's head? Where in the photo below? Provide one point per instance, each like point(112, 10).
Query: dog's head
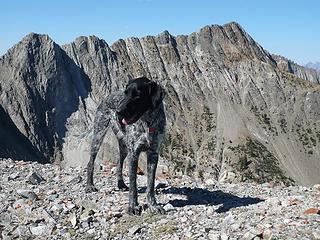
point(141, 94)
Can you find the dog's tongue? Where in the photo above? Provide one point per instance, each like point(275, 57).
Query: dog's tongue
point(127, 121)
point(124, 122)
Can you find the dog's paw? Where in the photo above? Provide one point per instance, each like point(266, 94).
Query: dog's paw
point(135, 210)
point(122, 186)
point(91, 188)
point(156, 209)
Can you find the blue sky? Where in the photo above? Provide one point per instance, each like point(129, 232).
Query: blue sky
point(287, 27)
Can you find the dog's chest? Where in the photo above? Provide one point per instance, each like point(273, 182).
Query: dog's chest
point(136, 135)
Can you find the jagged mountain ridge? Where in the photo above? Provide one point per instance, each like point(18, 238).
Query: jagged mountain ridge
point(232, 109)
point(306, 72)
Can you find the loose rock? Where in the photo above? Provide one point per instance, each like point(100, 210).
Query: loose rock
point(193, 209)
point(27, 194)
point(35, 178)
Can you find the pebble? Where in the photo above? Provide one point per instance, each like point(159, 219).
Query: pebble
point(57, 208)
point(210, 182)
point(27, 194)
point(312, 211)
point(316, 234)
point(91, 231)
point(35, 178)
point(73, 219)
point(39, 230)
point(214, 236)
point(134, 230)
point(13, 176)
point(168, 207)
point(183, 219)
point(20, 203)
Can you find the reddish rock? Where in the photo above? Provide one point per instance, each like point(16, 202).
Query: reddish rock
point(294, 201)
point(312, 211)
point(140, 171)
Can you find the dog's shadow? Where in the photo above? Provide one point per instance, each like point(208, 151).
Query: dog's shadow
point(200, 196)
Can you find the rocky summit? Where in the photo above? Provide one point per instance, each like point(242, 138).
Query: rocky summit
point(235, 112)
point(47, 202)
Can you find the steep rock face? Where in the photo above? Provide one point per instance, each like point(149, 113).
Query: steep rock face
point(13, 143)
point(233, 112)
point(40, 88)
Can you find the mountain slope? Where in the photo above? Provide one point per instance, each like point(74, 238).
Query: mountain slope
point(233, 112)
point(40, 87)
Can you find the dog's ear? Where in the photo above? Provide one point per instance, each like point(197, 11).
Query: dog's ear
point(156, 93)
point(132, 90)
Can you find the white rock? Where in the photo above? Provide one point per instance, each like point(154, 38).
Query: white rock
point(39, 230)
point(161, 183)
point(183, 219)
point(52, 191)
point(210, 182)
point(224, 236)
point(168, 207)
point(27, 194)
point(134, 230)
point(213, 235)
point(190, 212)
point(287, 221)
point(20, 203)
point(56, 208)
point(91, 231)
point(252, 233)
point(70, 205)
point(73, 220)
point(13, 176)
point(267, 234)
point(316, 187)
point(22, 231)
point(316, 234)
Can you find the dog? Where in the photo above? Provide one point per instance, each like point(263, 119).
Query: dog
point(137, 118)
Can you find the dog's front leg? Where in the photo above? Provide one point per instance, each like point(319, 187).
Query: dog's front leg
point(152, 162)
point(134, 208)
point(123, 154)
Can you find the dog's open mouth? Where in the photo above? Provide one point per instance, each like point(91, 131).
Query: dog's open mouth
point(127, 121)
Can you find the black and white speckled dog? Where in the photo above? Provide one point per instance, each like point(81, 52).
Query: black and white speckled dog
point(138, 120)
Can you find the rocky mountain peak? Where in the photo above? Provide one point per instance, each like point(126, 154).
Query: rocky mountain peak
point(36, 36)
point(90, 43)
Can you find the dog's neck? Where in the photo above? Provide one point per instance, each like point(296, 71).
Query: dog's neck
point(152, 117)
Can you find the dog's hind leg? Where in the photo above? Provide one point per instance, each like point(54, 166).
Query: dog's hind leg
point(101, 123)
point(123, 152)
